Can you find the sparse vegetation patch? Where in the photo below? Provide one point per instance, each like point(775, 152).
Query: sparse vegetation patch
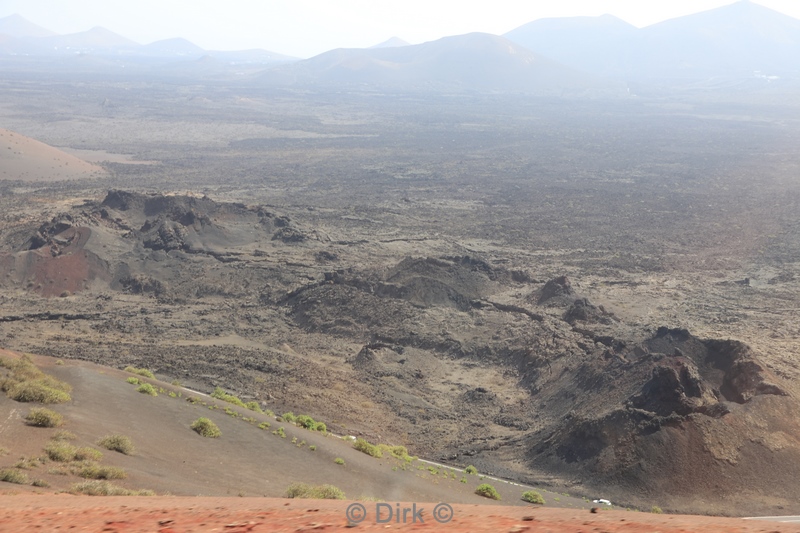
point(139, 371)
point(364, 446)
point(12, 475)
point(487, 491)
point(206, 428)
point(117, 443)
point(531, 496)
point(316, 492)
point(26, 383)
point(146, 388)
point(104, 488)
point(44, 418)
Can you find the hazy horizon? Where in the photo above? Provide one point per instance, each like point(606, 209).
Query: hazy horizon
point(305, 28)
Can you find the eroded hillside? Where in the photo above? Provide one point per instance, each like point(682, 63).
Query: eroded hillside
point(467, 356)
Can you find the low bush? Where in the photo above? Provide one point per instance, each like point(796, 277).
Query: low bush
point(26, 383)
point(43, 418)
point(339, 461)
point(38, 391)
point(316, 492)
point(264, 425)
point(656, 509)
point(365, 447)
point(220, 394)
point(398, 452)
point(92, 470)
point(117, 443)
point(309, 423)
point(139, 371)
point(531, 496)
point(133, 381)
point(87, 454)
point(60, 451)
point(63, 434)
point(471, 470)
point(253, 406)
point(40, 483)
point(289, 417)
point(12, 475)
point(146, 388)
point(206, 428)
point(104, 488)
point(487, 491)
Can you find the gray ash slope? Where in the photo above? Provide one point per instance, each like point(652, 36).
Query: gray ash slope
point(461, 357)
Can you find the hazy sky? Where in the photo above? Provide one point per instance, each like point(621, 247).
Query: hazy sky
point(307, 27)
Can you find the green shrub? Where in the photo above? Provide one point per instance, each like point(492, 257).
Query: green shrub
point(40, 483)
point(531, 496)
point(398, 452)
point(146, 388)
point(206, 428)
point(60, 451)
point(289, 417)
point(487, 491)
point(313, 447)
point(463, 479)
point(12, 475)
point(44, 418)
point(280, 432)
point(308, 423)
point(26, 383)
point(656, 509)
point(264, 425)
point(86, 454)
point(139, 371)
point(225, 397)
point(92, 470)
point(37, 392)
point(104, 488)
point(117, 443)
point(133, 381)
point(317, 492)
point(365, 447)
point(253, 406)
point(63, 434)
point(339, 461)
point(471, 470)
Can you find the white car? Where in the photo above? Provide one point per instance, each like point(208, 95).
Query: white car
point(601, 500)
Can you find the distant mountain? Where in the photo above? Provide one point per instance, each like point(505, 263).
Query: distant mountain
point(18, 26)
point(743, 39)
point(19, 37)
point(97, 39)
point(476, 61)
point(591, 44)
point(737, 39)
point(392, 42)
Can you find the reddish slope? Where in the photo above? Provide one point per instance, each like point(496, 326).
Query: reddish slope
point(26, 159)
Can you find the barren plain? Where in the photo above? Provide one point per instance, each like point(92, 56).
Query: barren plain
point(592, 296)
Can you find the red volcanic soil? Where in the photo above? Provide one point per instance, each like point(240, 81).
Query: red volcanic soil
point(26, 159)
point(21, 513)
point(56, 270)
